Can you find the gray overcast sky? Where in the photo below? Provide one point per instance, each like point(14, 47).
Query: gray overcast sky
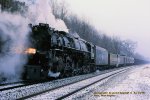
point(128, 19)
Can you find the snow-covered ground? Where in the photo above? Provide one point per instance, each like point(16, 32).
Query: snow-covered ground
point(57, 93)
point(131, 85)
point(36, 88)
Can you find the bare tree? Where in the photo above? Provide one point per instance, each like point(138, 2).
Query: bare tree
point(13, 6)
point(116, 45)
point(59, 8)
point(128, 47)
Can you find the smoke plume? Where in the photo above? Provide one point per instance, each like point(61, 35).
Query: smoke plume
point(14, 32)
point(40, 11)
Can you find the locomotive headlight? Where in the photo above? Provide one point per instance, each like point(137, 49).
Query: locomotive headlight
point(30, 51)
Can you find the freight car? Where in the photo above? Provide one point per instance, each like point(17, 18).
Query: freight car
point(60, 54)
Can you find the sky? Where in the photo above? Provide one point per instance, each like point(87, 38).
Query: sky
point(127, 19)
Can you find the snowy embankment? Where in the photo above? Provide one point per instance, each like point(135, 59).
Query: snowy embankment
point(20, 92)
point(36, 88)
point(59, 93)
point(131, 85)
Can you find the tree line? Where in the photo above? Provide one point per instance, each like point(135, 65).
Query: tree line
point(77, 25)
point(13, 6)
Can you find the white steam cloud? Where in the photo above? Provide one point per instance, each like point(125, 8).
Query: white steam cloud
point(40, 12)
point(14, 32)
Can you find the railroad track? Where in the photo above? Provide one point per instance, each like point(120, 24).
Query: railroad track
point(86, 86)
point(10, 83)
point(34, 90)
point(80, 83)
point(13, 85)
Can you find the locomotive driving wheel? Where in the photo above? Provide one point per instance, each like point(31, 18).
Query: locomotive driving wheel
point(75, 69)
point(85, 69)
point(57, 66)
point(68, 68)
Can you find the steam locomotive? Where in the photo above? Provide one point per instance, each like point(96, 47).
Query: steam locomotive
point(60, 54)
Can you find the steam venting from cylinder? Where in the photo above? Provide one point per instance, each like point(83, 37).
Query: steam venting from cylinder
point(14, 35)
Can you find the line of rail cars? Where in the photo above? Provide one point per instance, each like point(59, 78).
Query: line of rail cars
point(104, 59)
point(60, 54)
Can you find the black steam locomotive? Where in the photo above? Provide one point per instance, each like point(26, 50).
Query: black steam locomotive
point(60, 54)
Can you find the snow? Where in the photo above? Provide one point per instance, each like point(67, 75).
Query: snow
point(131, 85)
point(52, 74)
point(137, 83)
point(55, 94)
point(36, 88)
